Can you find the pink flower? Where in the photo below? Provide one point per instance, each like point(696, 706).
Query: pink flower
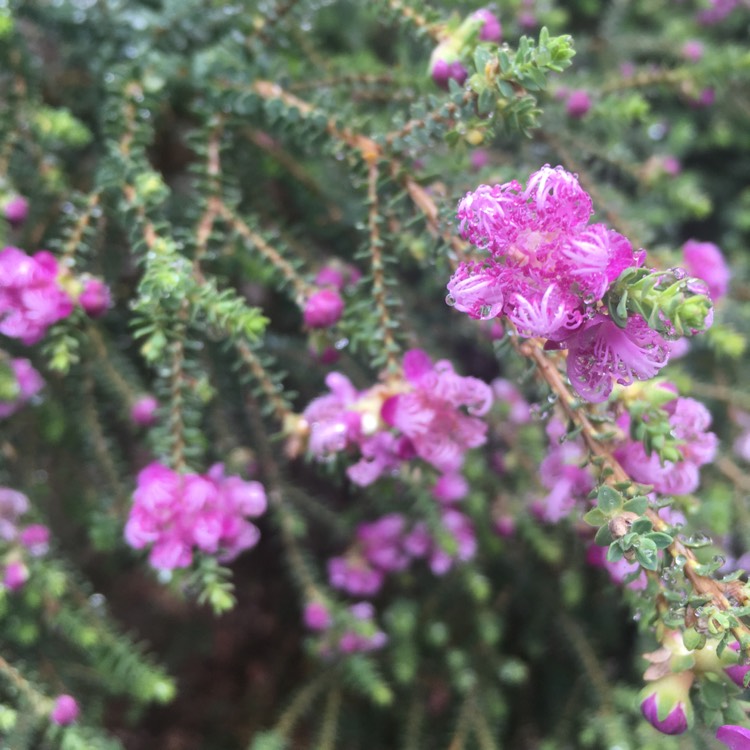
point(323, 309)
point(177, 513)
point(443, 71)
point(706, 261)
point(692, 50)
point(15, 575)
point(578, 104)
point(460, 529)
point(666, 703)
point(690, 421)
point(16, 210)
point(29, 383)
point(479, 159)
point(95, 299)
point(492, 30)
point(431, 414)
point(734, 736)
point(65, 710)
point(354, 575)
point(143, 411)
point(36, 539)
point(601, 351)
point(31, 299)
point(317, 616)
point(13, 505)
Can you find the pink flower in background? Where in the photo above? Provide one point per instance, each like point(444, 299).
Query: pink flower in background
point(31, 300)
point(16, 210)
point(95, 299)
point(143, 411)
point(317, 616)
point(29, 383)
point(323, 309)
point(65, 710)
point(705, 260)
point(578, 104)
point(15, 575)
point(690, 421)
point(692, 50)
point(13, 504)
point(35, 538)
point(492, 30)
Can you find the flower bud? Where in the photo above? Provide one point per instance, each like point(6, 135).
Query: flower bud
point(143, 411)
point(492, 30)
point(443, 70)
point(666, 703)
point(734, 737)
point(95, 298)
point(578, 104)
point(16, 574)
point(65, 710)
point(323, 309)
point(16, 210)
point(736, 672)
point(316, 616)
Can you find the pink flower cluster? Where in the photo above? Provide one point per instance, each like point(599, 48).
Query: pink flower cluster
point(176, 513)
point(357, 633)
point(34, 294)
point(31, 298)
point(706, 261)
point(547, 271)
point(28, 383)
point(388, 545)
point(561, 474)
point(690, 421)
point(21, 541)
point(431, 413)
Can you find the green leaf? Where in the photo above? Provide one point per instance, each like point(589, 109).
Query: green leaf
point(609, 500)
point(595, 517)
point(636, 505)
point(641, 526)
point(660, 539)
point(603, 536)
point(692, 639)
point(647, 558)
point(615, 552)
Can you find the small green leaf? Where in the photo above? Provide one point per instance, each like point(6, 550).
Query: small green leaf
point(647, 558)
point(609, 500)
point(603, 536)
point(641, 526)
point(637, 505)
point(660, 539)
point(615, 552)
point(595, 517)
point(693, 639)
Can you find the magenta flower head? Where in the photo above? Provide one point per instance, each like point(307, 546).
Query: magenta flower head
point(15, 576)
point(706, 261)
point(323, 309)
point(95, 299)
point(143, 411)
point(443, 71)
point(28, 383)
point(36, 539)
point(666, 703)
point(692, 50)
point(316, 616)
point(734, 737)
point(736, 672)
point(492, 30)
point(578, 104)
point(65, 710)
point(16, 210)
